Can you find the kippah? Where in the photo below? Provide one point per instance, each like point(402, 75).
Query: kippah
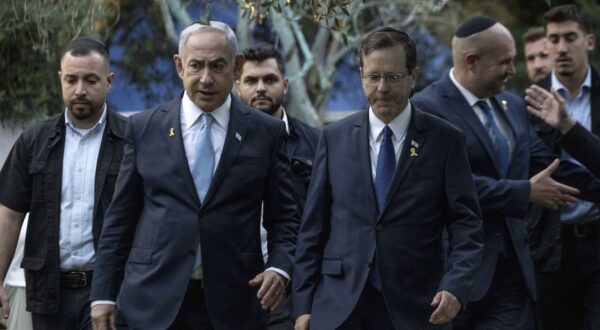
point(474, 25)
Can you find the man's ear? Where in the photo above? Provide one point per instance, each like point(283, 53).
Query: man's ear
point(414, 74)
point(285, 86)
point(110, 78)
point(238, 64)
point(591, 42)
point(471, 60)
point(178, 65)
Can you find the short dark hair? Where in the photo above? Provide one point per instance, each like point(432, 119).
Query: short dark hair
point(263, 51)
point(388, 37)
point(534, 34)
point(82, 46)
point(569, 12)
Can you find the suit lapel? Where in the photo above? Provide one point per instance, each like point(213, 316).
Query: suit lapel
point(292, 141)
point(459, 107)
point(408, 153)
point(105, 156)
point(171, 133)
point(360, 135)
point(510, 117)
point(235, 137)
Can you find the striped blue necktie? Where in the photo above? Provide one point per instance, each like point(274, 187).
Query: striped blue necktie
point(500, 141)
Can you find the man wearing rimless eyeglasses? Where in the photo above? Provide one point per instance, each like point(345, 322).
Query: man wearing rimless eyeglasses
point(369, 252)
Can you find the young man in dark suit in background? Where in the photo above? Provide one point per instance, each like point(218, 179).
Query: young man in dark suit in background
point(262, 84)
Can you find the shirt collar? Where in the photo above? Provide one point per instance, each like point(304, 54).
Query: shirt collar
point(101, 120)
point(587, 82)
point(284, 117)
point(398, 126)
point(471, 99)
point(191, 112)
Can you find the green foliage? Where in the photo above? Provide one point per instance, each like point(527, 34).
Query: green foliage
point(331, 14)
point(32, 34)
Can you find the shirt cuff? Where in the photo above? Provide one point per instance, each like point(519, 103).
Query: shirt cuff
point(102, 302)
point(280, 272)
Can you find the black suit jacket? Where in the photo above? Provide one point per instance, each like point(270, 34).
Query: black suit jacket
point(342, 227)
point(545, 232)
point(583, 146)
point(301, 147)
point(31, 181)
point(152, 228)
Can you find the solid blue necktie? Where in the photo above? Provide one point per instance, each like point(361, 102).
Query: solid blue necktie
point(499, 139)
point(384, 173)
point(202, 172)
point(386, 166)
point(204, 162)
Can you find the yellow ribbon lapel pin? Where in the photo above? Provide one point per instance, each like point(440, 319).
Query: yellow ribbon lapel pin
point(413, 148)
point(171, 132)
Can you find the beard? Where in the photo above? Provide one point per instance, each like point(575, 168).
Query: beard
point(271, 107)
point(83, 109)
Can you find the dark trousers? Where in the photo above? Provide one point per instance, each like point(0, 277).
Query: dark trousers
point(281, 317)
point(370, 312)
point(73, 312)
point(192, 314)
point(570, 298)
point(506, 304)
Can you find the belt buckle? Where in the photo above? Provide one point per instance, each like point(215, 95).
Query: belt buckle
point(578, 233)
point(84, 281)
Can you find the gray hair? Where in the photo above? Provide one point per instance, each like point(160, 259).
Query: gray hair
point(213, 26)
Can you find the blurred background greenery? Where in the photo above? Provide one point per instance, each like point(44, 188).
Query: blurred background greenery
point(318, 38)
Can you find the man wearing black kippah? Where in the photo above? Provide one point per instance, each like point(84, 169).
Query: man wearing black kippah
point(511, 168)
point(63, 172)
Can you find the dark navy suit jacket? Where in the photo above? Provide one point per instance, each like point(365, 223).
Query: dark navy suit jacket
point(342, 227)
point(504, 200)
point(153, 225)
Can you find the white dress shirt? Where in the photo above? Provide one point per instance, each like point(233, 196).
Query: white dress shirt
point(191, 123)
point(399, 127)
point(76, 242)
point(190, 128)
point(502, 124)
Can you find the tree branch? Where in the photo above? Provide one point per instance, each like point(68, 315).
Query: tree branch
point(172, 35)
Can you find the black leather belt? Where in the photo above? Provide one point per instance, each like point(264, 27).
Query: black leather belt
point(75, 279)
point(582, 230)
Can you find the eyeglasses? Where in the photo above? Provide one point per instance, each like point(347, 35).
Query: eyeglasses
point(392, 78)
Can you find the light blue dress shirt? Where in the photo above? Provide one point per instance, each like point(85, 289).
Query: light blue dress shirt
point(80, 157)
